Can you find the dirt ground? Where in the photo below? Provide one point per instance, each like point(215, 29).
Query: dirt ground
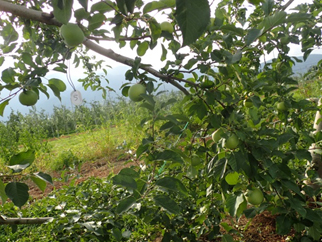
point(260, 229)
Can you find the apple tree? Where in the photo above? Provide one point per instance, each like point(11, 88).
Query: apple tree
point(241, 144)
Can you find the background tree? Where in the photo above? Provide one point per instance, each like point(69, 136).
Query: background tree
point(216, 58)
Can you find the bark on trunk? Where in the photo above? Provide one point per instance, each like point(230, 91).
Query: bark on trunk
point(12, 221)
point(316, 163)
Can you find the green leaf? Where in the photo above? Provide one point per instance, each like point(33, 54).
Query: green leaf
point(172, 184)
point(26, 157)
point(292, 186)
point(3, 106)
point(62, 10)
point(164, 53)
point(130, 4)
point(9, 34)
point(219, 168)
point(167, 203)
point(232, 59)
point(158, 5)
point(96, 21)
point(1, 60)
point(8, 75)
point(252, 35)
point(125, 204)
point(298, 206)
point(236, 204)
point(315, 231)
point(169, 155)
point(273, 20)
point(232, 178)
point(250, 212)
point(227, 238)
point(129, 172)
point(122, 6)
point(117, 234)
point(267, 7)
point(80, 14)
point(61, 86)
point(125, 181)
point(284, 138)
point(283, 224)
point(17, 192)
point(102, 7)
point(55, 90)
point(193, 18)
point(27, 59)
point(230, 28)
point(3, 194)
point(298, 17)
point(84, 3)
point(44, 176)
point(155, 29)
point(142, 48)
point(39, 182)
point(141, 149)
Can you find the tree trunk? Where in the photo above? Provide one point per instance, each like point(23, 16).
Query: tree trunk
point(316, 163)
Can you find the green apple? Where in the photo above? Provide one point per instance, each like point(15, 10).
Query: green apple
point(167, 27)
point(217, 135)
point(28, 98)
point(72, 34)
point(255, 196)
point(232, 142)
point(135, 91)
point(281, 106)
point(248, 103)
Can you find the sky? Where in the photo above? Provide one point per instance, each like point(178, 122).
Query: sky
point(151, 56)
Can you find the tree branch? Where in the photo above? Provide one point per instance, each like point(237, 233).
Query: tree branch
point(24, 220)
point(27, 13)
point(24, 12)
point(121, 39)
point(130, 62)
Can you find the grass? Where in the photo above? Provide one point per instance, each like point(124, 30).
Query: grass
point(70, 150)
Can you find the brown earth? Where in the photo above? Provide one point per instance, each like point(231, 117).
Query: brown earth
point(260, 229)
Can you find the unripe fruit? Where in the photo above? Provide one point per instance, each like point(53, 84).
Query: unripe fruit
point(281, 106)
point(255, 196)
point(232, 142)
point(248, 103)
point(217, 135)
point(28, 98)
point(72, 34)
point(135, 91)
point(166, 26)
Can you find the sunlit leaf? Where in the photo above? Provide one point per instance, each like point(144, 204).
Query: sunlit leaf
point(39, 182)
point(3, 106)
point(22, 158)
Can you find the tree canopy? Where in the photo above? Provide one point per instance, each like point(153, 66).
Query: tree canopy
point(215, 52)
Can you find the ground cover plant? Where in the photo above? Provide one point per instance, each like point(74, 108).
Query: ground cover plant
point(265, 159)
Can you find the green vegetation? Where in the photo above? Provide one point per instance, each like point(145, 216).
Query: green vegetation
point(185, 186)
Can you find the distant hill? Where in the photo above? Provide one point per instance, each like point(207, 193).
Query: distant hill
point(304, 66)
